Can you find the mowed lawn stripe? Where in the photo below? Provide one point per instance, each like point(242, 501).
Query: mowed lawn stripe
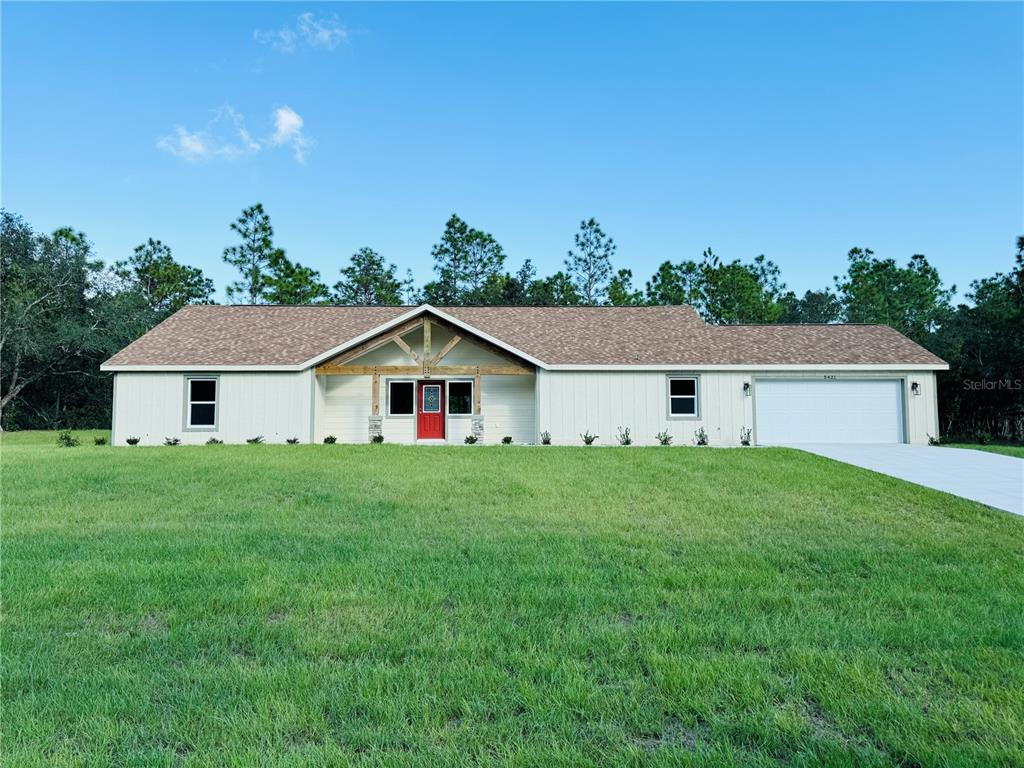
point(390, 605)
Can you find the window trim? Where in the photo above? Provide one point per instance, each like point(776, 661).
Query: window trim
point(187, 425)
point(391, 415)
point(448, 398)
point(695, 378)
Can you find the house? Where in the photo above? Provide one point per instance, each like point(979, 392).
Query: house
point(437, 374)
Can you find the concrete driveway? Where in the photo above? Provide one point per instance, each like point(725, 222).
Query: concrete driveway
point(977, 475)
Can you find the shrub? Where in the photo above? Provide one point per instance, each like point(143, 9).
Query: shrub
point(623, 437)
point(545, 438)
point(214, 441)
point(745, 433)
point(66, 440)
point(588, 439)
point(664, 438)
point(934, 440)
point(292, 441)
point(172, 441)
point(254, 440)
point(470, 439)
point(506, 440)
point(700, 437)
point(983, 438)
point(377, 439)
point(330, 440)
point(99, 441)
point(133, 440)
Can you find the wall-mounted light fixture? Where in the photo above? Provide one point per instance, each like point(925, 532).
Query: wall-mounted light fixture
point(746, 388)
point(915, 388)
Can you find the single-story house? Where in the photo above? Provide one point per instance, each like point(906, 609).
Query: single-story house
point(437, 374)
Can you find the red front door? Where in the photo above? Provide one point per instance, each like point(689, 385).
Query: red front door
point(431, 410)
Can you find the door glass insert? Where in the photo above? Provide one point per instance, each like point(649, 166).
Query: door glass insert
point(432, 399)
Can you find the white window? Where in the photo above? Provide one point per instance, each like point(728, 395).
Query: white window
point(202, 403)
point(460, 398)
point(682, 396)
point(401, 398)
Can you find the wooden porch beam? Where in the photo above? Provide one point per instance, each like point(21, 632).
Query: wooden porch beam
point(476, 393)
point(405, 347)
point(426, 338)
point(374, 343)
point(445, 350)
point(375, 398)
point(423, 370)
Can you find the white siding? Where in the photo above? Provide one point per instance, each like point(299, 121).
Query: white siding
point(151, 406)
point(572, 402)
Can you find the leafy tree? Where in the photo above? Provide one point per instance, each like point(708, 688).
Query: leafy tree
point(589, 264)
point(370, 281)
point(735, 292)
point(911, 299)
point(254, 258)
point(467, 262)
point(815, 307)
point(983, 344)
point(289, 282)
point(554, 291)
point(165, 284)
point(674, 284)
point(621, 292)
point(45, 323)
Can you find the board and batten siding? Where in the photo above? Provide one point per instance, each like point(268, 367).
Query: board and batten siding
point(572, 402)
point(151, 406)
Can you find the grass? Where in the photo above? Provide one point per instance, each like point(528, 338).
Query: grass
point(1006, 449)
point(388, 605)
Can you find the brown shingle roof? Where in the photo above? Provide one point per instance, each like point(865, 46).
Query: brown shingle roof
point(271, 335)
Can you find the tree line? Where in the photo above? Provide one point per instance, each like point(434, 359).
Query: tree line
point(64, 311)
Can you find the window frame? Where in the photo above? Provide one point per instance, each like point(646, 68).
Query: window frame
point(695, 378)
point(448, 398)
point(391, 415)
point(187, 424)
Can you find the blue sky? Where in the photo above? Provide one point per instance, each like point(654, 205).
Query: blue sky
point(794, 130)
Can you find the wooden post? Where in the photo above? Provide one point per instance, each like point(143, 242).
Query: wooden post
point(376, 393)
point(476, 392)
point(426, 338)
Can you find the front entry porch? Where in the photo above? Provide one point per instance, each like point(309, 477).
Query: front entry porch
point(418, 396)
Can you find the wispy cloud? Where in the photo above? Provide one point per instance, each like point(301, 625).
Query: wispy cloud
point(324, 33)
point(288, 130)
point(226, 137)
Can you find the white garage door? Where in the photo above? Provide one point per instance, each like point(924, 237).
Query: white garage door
point(828, 411)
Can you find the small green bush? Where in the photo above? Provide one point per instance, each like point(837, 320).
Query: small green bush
point(934, 440)
point(506, 440)
point(664, 438)
point(377, 439)
point(133, 440)
point(470, 439)
point(172, 441)
point(588, 439)
point(214, 441)
point(99, 441)
point(700, 437)
point(983, 438)
point(66, 440)
point(745, 433)
point(292, 441)
point(330, 440)
point(254, 440)
point(545, 438)
point(623, 437)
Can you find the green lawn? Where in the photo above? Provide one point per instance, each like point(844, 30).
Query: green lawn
point(387, 605)
point(1006, 449)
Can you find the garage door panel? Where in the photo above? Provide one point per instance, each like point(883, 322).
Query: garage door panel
point(823, 411)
